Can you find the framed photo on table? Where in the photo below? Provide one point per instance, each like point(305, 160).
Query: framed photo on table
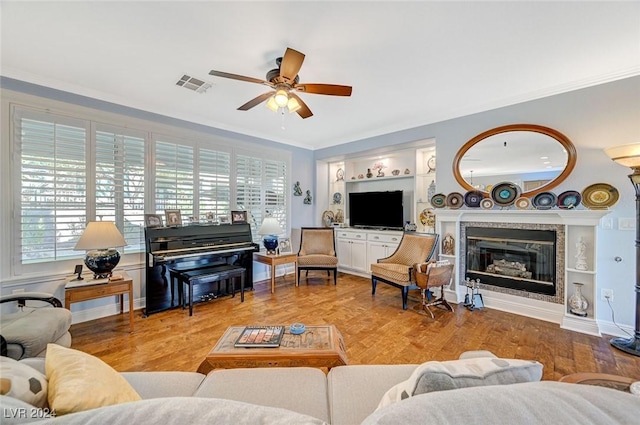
point(152, 220)
point(173, 217)
point(238, 217)
point(284, 246)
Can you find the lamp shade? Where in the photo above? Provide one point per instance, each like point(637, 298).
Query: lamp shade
point(100, 239)
point(270, 226)
point(627, 155)
point(100, 235)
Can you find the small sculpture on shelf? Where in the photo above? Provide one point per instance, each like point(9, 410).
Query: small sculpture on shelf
point(297, 191)
point(307, 199)
point(581, 255)
point(448, 245)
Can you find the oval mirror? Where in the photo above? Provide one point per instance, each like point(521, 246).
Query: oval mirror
point(534, 157)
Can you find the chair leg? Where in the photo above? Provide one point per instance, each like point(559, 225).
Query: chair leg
point(374, 282)
point(405, 297)
point(335, 277)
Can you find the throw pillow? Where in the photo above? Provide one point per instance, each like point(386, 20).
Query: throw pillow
point(22, 382)
point(79, 381)
point(454, 374)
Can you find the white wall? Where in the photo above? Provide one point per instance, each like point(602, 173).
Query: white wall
point(592, 118)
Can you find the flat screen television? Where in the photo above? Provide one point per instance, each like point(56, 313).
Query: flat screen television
point(376, 209)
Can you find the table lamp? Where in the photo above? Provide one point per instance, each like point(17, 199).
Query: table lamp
point(99, 239)
point(629, 156)
point(270, 230)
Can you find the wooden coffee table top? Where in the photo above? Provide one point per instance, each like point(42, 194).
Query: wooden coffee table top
point(621, 383)
point(319, 346)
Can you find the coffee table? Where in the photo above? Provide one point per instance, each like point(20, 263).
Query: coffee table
point(319, 346)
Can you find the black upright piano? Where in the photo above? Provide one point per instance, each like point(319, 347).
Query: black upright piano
point(191, 247)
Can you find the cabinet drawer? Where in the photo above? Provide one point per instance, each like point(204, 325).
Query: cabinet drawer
point(379, 237)
point(344, 234)
point(97, 291)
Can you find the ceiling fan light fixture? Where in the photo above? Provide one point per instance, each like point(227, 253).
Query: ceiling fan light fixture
point(271, 104)
point(293, 105)
point(281, 98)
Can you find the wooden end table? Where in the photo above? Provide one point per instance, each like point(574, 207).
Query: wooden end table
point(616, 382)
point(319, 346)
point(274, 260)
point(88, 290)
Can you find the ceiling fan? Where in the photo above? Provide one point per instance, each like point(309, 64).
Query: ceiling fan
point(284, 82)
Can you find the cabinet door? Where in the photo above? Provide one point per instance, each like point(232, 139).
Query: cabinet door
point(375, 251)
point(359, 256)
point(343, 251)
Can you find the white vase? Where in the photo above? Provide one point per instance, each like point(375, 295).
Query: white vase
point(578, 304)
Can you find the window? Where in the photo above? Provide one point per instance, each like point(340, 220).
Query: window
point(53, 185)
point(261, 190)
point(119, 182)
point(174, 178)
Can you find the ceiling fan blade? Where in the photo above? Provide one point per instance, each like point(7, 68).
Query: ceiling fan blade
point(291, 63)
point(330, 89)
point(239, 77)
point(255, 101)
point(304, 110)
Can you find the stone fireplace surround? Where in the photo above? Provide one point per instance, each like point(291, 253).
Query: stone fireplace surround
point(569, 226)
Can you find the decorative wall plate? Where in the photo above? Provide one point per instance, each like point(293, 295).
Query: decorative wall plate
point(569, 199)
point(505, 193)
point(545, 200)
point(327, 218)
point(439, 200)
point(473, 198)
point(523, 203)
point(455, 200)
point(337, 198)
point(340, 174)
point(486, 204)
point(427, 217)
point(599, 196)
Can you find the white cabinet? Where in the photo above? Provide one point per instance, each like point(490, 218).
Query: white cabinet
point(357, 249)
point(381, 245)
point(351, 250)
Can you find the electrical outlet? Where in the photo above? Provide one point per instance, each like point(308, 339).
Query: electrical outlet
point(606, 293)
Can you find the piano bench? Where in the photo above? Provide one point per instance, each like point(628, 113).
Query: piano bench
point(212, 274)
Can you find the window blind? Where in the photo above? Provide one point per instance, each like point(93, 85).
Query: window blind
point(174, 178)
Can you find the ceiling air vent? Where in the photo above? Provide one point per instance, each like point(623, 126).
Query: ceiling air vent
point(194, 84)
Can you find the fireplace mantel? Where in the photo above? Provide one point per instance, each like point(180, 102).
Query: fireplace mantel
point(575, 224)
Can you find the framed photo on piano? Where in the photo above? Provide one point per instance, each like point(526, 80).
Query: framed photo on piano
point(152, 220)
point(238, 217)
point(173, 217)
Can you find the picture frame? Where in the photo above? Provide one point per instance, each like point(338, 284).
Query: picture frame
point(173, 218)
point(153, 220)
point(238, 217)
point(284, 246)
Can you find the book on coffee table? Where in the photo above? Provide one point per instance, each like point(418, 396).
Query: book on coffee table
point(260, 337)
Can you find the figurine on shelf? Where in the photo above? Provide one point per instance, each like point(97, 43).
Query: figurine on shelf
point(448, 245)
point(297, 191)
point(581, 255)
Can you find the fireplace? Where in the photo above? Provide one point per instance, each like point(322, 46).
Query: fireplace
point(514, 258)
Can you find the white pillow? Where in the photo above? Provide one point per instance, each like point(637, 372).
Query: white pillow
point(454, 374)
point(22, 382)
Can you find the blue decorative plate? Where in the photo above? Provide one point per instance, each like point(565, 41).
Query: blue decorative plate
point(454, 200)
point(545, 200)
point(505, 193)
point(569, 199)
point(337, 198)
point(473, 198)
point(439, 200)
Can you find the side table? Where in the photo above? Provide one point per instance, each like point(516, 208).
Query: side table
point(276, 259)
point(90, 290)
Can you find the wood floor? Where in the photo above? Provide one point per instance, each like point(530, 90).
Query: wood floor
point(375, 329)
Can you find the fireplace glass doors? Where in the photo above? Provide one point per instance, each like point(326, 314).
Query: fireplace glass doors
point(518, 259)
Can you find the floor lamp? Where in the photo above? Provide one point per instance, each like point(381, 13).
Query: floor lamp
point(629, 155)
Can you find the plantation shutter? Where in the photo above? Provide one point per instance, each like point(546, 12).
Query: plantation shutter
point(214, 171)
point(119, 182)
point(275, 190)
point(174, 178)
point(53, 185)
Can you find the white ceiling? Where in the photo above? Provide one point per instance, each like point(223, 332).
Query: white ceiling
point(410, 63)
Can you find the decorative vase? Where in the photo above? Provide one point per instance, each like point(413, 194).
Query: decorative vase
point(431, 190)
point(369, 173)
point(578, 304)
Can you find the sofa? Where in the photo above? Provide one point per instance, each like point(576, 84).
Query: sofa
point(471, 390)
